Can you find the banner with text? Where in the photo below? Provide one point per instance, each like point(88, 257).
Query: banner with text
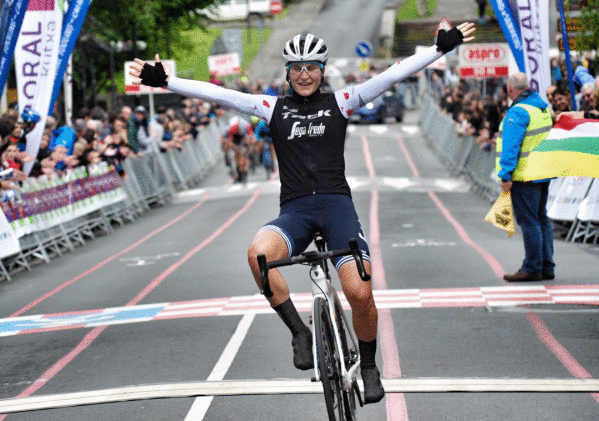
point(70, 31)
point(11, 20)
point(224, 64)
point(533, 18)
point(483, 60)
point(510, 28)
point(36, 57)
point(49, 201)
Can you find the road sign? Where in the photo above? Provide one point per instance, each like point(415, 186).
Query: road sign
point(233, 40)
point(224, 64)
point(364, 49)
point(130, 88)
point(276, 7)
point(483, 60)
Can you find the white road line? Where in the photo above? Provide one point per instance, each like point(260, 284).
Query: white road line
point(209, 389)
point(200, 406)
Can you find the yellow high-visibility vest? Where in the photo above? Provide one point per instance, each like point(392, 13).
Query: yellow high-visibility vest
point(538, 128)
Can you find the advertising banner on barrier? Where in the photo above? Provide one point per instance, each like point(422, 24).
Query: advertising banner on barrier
point(589, 208)
point(36, 57)
point(533, 17)
point(571, 193)
point(46, 202)
point(9, 242)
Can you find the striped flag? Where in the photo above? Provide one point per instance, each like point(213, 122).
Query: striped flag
point(570, 150)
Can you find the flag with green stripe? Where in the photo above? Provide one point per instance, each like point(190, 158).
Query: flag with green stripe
point(570, 150)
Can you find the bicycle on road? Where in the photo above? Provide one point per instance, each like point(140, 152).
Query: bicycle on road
point(335, 345)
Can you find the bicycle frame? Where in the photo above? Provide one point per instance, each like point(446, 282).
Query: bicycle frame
point(322, 288)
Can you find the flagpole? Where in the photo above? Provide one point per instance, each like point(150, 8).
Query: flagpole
point(567, 53)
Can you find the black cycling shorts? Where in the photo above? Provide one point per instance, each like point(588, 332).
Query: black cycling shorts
point(333, 215)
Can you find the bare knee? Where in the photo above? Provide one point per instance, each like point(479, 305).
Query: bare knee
point(268, 243)
point(360, 299)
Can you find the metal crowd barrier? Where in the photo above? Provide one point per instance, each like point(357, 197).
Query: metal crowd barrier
point(150, 180)
point(460, 154)
point(573, 203)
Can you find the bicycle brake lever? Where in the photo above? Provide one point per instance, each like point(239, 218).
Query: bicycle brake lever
point(357, 253)
point(264, 284)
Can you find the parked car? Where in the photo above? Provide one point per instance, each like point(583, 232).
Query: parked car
point(394, 102)
point(373, 112)
point(228, 10)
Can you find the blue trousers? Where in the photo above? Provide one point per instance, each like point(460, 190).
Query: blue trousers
point(530, 209)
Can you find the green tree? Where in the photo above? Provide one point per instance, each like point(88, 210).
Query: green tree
point(159, 24)
point(590, 38)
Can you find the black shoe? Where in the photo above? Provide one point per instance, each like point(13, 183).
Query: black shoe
point(302, 351)
point(548, 276)
point(373, 388)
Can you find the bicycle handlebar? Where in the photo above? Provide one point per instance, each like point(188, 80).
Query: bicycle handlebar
point(310, 257)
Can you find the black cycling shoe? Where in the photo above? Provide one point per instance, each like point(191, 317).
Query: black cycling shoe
point(302, 351)
point(373, 388)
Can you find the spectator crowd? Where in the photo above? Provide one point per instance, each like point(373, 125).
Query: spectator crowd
point(97, 135)
point(479, 115)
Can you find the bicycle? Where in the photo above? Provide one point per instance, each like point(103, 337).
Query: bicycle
point(267, 160)
point(335, 345)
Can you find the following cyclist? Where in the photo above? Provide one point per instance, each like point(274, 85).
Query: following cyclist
point(308, 130)
point(264, 144)
point(238, 137)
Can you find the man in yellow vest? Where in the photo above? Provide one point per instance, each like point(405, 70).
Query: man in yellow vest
point(526, 123)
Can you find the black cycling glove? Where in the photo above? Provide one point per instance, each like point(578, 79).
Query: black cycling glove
point(448, 40)
point(153, 75)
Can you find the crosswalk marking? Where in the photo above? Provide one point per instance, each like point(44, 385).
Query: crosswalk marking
point(504, 296)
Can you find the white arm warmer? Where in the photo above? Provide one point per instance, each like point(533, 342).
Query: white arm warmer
point(353, 97)
point(258, 105)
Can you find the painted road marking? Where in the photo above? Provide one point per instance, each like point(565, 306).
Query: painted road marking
point(501, 296)
point(200, 406)
point(289, 386)
point(360, 183)
point(146, 260)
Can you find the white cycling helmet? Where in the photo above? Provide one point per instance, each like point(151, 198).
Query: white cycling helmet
point(305, 48)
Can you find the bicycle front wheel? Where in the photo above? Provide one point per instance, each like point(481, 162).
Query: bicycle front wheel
point(350, 352)
point(328, 361)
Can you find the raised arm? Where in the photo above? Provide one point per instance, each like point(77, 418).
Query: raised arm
point(351, 98)
point(155, 76)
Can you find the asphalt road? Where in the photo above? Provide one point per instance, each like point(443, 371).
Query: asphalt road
point(182, 306)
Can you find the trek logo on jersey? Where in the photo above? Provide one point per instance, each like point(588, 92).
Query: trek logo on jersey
point(287, 112)
point(312, 130)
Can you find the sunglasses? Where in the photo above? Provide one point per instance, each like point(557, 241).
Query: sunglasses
point(310, 67)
